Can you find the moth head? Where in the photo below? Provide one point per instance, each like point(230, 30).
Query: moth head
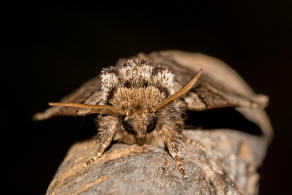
point(142, 121)
point(139, 125)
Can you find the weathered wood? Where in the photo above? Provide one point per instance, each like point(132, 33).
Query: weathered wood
point(223, 161)
point(226, 162)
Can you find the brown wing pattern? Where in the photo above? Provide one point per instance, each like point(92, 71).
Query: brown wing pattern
point(88, 93)
point(208, 93)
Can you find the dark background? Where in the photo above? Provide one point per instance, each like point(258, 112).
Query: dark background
point(49, 49)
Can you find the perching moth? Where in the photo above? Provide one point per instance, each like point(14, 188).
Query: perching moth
point(142, 100)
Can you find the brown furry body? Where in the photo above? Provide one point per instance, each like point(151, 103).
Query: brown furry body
point(138, 87)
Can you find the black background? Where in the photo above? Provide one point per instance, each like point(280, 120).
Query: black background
point(49, 49)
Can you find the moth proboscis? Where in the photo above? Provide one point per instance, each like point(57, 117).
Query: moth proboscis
point(137, 104)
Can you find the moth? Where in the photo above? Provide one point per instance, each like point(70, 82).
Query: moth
point(142, 100)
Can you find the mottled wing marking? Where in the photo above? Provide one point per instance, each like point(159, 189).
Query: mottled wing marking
point(136, 73)
point(88, 93)
point(180, 92)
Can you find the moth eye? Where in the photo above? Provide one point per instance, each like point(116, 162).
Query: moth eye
point(152, 122)
point(127, 125)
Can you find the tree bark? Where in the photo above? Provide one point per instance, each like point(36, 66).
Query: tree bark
point(224, 162)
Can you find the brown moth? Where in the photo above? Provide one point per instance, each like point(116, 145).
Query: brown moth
point(142, 101)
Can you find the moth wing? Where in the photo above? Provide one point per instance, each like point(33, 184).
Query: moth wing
point(209, 95)
point(88, 93)
point(219, 85)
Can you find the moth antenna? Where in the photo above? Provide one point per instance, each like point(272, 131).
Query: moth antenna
point(181, 92)
point(97, 108)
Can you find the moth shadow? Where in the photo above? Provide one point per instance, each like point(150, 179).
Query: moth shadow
point(222, 118)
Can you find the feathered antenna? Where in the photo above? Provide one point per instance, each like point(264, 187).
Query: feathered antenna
point(97, 108)
point(181, 92)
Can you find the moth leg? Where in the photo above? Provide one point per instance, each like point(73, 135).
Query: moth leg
point(108, 126)
point(172, 140)
point(189, 141)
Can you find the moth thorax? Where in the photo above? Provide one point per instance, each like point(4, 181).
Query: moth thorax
point(137, 100)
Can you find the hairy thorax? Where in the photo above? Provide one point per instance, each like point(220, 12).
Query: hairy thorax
point(139, 103)
point(133, 100)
